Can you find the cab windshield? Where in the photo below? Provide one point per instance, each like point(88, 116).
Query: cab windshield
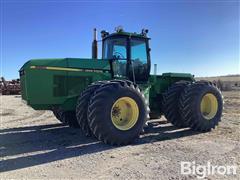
point(129, 57)
point(115, 48)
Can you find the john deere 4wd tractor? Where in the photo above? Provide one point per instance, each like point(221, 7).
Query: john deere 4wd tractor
point(113, 97)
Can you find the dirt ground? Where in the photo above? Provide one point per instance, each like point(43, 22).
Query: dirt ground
point(34, 145)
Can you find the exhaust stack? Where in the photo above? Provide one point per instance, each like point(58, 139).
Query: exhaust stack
point(155, 73)
point(94, 45)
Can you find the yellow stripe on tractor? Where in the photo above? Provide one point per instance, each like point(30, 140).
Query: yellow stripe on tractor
point(65, 69)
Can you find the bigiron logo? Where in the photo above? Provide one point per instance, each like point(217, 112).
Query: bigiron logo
point(202, 171)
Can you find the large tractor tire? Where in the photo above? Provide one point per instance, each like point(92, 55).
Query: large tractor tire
point(82, 107)
point(171, 104)
point(154, 115)
point(66, 117)
point(117, 112)
point(57, 113)
point(201, 105)
point(71, 119)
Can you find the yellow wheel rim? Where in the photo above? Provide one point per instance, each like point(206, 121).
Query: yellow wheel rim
point(209, 106)
point(124, 113)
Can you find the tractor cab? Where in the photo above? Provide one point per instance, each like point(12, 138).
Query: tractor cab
point(129, 54)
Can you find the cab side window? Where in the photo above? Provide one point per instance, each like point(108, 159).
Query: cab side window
point(139, 59)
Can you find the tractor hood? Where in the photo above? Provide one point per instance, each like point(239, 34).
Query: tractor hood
point(51, 82)
point(68, 64)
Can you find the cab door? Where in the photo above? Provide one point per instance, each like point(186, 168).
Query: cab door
point(139, 57)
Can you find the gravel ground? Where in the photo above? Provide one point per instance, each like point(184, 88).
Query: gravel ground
point(34, 145)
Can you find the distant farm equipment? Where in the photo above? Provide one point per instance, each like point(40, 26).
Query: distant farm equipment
point(10, 87)
point(225, 83)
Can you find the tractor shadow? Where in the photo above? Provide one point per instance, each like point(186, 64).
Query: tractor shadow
point(24, 147)
point(162, 131)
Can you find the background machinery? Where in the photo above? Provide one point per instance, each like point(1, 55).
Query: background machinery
point(9, 87)
point(113, 97)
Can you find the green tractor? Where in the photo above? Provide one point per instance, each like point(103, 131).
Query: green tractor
point(112, 98)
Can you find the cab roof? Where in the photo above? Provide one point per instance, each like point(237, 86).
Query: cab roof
point(127, 34)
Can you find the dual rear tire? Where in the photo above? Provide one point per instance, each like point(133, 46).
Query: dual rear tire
point(197, 105)
point(170, 104)
point(201, 106)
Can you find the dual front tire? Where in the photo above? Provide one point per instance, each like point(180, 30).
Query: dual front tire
point(66, 117)
point(113, 111)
